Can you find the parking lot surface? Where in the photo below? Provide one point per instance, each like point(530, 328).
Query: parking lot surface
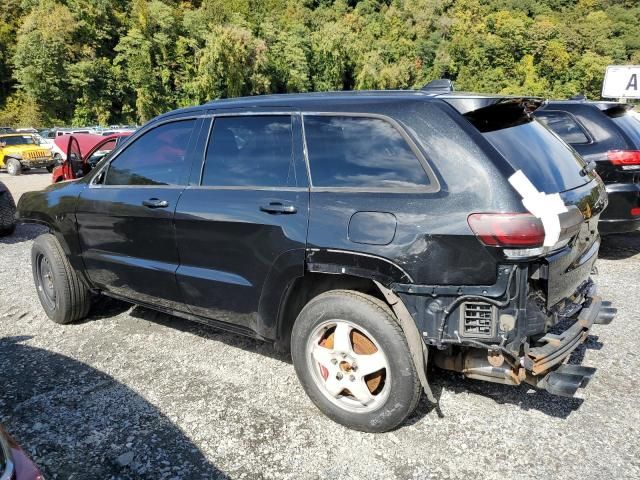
point(130, 393)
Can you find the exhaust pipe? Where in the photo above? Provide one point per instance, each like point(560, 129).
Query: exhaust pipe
point(567, 379)
point(475, 364)
point(606, 314)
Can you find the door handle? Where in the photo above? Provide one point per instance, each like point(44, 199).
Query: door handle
point(278, 208)
point(155, 203)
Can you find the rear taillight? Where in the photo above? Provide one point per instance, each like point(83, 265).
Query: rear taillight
point(635, 211)
point(624, 157)
point(515, 230)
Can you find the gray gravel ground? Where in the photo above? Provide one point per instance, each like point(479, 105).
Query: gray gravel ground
point(130, 393)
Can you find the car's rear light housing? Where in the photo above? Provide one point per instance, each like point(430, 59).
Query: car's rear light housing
point(507, 230)
point(626, 159)
point(635, 212)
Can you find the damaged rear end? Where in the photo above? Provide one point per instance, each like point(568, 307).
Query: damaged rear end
point(525, 326)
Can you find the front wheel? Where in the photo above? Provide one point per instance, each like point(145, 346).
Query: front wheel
point(62, 295)
point(14, 167)
point(7, 213)
point(353, 361)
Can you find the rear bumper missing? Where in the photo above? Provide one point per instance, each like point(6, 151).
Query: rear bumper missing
point(541, 365)
point(555, 348)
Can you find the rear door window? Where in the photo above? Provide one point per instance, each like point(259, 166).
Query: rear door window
point(565, 125)
point(551, 165)
point(250, 151)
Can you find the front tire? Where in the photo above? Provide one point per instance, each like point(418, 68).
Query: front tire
point(14, 167)
point(63, 296)
point(7, 213)
point(353, 361)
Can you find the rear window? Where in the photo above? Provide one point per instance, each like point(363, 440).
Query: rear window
point(629, 125)
point(565, 125)
point(551, 165)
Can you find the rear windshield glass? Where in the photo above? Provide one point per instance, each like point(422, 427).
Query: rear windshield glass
point(564, 125)
point(629, 125)
point(551, 165)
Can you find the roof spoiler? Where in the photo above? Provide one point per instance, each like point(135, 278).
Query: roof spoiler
point(439, 85)
point(490, 114)
point(614, 110)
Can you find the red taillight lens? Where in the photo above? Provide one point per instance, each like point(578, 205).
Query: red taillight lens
point(516, 230)
point(635, 211)
point(624, 157)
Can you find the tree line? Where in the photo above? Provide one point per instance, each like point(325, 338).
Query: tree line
point(87, 62)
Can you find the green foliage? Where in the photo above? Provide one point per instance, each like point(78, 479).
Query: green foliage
point(108, 61)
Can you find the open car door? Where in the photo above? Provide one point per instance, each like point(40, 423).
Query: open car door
point(73, 166)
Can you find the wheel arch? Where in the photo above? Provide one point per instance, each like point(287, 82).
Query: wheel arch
point(327, 269)
point(302, 289)
point(56, 212)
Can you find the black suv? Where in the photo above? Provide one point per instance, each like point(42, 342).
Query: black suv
point(369, 232)
point(607, 133)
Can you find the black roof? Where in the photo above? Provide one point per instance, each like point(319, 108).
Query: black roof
point(462, 101)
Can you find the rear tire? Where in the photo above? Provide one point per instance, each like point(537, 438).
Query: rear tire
point(14, 167)
point(62, 294)
point(345, 340)
point(7, 213)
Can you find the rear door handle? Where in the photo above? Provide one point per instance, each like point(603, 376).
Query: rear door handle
point(155, 203)
point(279, 208)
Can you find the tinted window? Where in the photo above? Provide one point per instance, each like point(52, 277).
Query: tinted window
point(156, 158)
point(252, 151)
point(360, 152)
point(630, 125)
point(551, 165)
point(18, 140)
point(564, 125)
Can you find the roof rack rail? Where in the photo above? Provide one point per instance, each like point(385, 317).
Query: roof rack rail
point(439, 85)
point(579, 96)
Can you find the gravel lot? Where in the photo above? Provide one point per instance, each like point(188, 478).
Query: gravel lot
point(130, 393)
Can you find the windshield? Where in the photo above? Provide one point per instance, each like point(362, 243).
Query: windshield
point(550, 164)
point(17, 140)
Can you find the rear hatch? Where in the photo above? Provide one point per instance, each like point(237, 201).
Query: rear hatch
point(552, 167)
point(623, 165)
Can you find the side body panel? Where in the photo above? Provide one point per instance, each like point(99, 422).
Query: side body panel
point(432, 243)
point(127, 235)
point(235, 258)
point(129, 249)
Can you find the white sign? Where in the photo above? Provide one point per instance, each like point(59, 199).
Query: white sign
point(621, 81)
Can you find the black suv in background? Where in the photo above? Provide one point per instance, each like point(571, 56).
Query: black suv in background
point(607, 133)
point(370, 232)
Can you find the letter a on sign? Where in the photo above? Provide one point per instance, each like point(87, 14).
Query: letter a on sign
point(621, 81)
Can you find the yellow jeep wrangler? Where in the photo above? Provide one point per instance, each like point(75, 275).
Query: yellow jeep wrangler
point(19, 151)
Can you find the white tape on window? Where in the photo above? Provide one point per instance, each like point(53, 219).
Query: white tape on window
point(544, 206)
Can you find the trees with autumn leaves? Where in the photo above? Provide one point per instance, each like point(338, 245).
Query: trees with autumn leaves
point(112, 61)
